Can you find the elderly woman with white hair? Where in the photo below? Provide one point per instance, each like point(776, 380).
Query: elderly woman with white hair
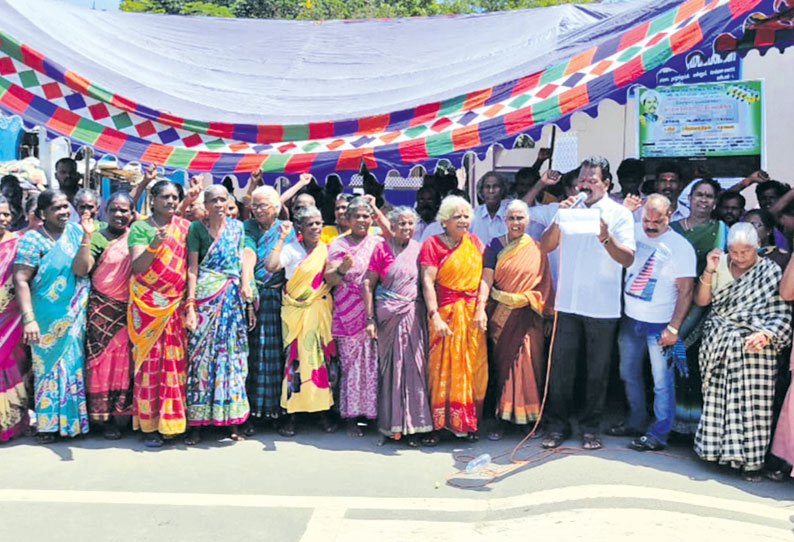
point(266, 351)
point(217, 346)
point(396, 318)
point(348, 260)
point(748, 325)
point(455, 295)
point(517, 273)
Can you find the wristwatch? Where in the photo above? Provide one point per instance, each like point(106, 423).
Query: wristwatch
point(671, 329)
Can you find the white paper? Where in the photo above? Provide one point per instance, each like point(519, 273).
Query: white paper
point(580, 221)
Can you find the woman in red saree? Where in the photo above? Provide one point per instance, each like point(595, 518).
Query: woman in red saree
point(158, 253)
point(105, 255)
point(517, 273)
point(455, 295)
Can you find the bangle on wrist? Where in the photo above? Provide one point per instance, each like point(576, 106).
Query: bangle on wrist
point(371, 319)
point(150, 249)
point(709, 271)
point(672, 329)
point(28, 317)
point(605, 240)
point(339, 272)
point(432, 313)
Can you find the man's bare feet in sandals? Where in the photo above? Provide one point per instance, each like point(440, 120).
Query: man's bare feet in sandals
point(591, 442)
point(194, 437)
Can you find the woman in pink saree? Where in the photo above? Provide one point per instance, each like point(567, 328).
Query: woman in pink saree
point(105, 256)
point(13, 396)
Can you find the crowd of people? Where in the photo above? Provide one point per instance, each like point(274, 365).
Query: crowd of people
point(471, 320)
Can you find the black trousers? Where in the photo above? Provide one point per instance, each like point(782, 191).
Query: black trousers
point(596, 337)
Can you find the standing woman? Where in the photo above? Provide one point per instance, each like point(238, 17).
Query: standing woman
point(455, 295)
point(217, 344)
point(348, 259)
point(396, 318)
point(53, 303)
point(105, 255)
point(157, 289)
point(705, 234)
point(748, 324)
point(13, 395)
point(266, 352)
point(306, 318)
point(517, 273)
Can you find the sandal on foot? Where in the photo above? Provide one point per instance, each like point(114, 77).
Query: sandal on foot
point(472, 436)
point(237, 435)
point(45, 438)
point(775, 475)
point(111, 432)
point(353, 430)
point(413, 441)
point(552, 440)
point(287, 429)
point(327, 425)
point(431, 440)
point(248, 429)
point(591, 442)
point(192, 439)
point(153, 440)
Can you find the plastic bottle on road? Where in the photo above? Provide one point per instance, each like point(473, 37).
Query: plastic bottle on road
point(477, 463)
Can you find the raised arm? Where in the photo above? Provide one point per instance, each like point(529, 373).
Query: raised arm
point(149, 175)
point(303, 180)
point(616, 250)
point(83, 261)
point(143, 255)
point(549, 178)
point(380, 219)
point(756, 177)
point(253, 183)
point(192, 195)
point(335, 271)
point(703, 289)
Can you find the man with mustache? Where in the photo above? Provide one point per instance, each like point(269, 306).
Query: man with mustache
point(669, 183)
point(428, 201)
point(657, 294)
point(730, 207)
point(587, 304)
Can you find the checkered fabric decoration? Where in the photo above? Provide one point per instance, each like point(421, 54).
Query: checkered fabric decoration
point(46, 94)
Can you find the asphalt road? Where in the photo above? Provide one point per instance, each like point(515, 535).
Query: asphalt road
point(334, 487)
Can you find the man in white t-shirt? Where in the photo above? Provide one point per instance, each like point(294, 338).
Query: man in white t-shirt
point(657, 295)
point(587, 303)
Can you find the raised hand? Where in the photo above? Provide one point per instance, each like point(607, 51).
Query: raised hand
point(632, 202)
point(87, 223)
point(149, 174)
point(757, 177)
point(567, 203)
point(371, 200)
point(284, 229)
point(712, 259)
point(544, 153)
point(550, 177)
point(255, 181)
point(305, 179)
point(159, 236)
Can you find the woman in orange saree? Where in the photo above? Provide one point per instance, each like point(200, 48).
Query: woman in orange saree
point(517, 273)
point(158, 252)
point(455, 295)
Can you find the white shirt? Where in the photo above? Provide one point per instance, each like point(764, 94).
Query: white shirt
point(291, 255)
point(434, 228)
point(540, 216)
point(486, 227)
point(589, 279)
point(650, 291)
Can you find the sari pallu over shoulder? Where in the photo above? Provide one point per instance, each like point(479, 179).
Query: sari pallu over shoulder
point(457, 365)
point(13, 395)
point(520, 298)
point(158, 337)
point(306, 325)
point(108, 355)
point(59, 303)
point(218, 348)
point(403, 403)
point(735, 426)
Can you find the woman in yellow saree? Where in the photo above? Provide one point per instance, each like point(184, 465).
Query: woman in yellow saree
point(305, 319)
point(159, 264)
point(455, 294)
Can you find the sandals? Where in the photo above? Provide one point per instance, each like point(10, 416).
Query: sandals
point(472, 436)
point(775, 475)
point(153, 440)
point(591, 442)
point(192, 439)
point(45, 438)
point(287, 429)
point(326, 424)
point(248, 429)
point(553, 439)
point(752, 476)
point(237, 434)
point(413, 441)
point(111, 432)
point(353, 430)
point(498, 432)
point(431, 440)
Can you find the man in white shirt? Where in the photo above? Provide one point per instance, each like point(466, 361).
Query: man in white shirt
point(587, 304)
point(427, 204)
point(657, 295)
point(488, 219)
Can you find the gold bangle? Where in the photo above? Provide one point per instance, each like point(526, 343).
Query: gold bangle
point(703, 281)
point(150, 249)
point(85, 244)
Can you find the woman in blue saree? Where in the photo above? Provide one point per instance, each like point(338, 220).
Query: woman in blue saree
point(266, 354)
point(53, 304)
point(217, 345)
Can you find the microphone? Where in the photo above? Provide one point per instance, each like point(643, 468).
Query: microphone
point(581, 197)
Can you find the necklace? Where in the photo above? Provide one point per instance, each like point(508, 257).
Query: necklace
point(46, 232)
point(448, 240)
point(157, 224)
